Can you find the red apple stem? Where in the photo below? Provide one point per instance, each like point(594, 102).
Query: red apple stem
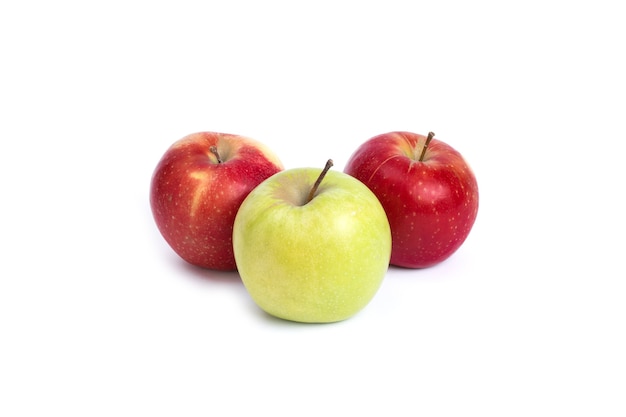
point(213, 149)
point(430, 137)
point(329, 164)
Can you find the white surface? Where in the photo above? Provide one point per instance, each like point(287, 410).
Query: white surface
point(99, 317)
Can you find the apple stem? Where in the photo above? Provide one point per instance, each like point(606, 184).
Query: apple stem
point(430, 137)
point(329, 164)
point(213, 149)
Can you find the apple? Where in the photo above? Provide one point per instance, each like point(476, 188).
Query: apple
point(428, 190)
point(197, 188)
point(313, 251)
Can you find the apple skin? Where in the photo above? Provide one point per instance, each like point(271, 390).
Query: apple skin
point(431, 204)
point(194, 198)
point(316, 262)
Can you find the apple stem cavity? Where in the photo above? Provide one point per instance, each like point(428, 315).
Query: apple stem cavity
point(430, 137)
point(329, 164)
point(213, 149)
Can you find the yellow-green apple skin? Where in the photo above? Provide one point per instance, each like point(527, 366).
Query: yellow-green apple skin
point(316, 262)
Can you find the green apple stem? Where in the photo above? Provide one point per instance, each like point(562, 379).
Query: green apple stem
point(430, 137)
point(213, 149)
point(329, 164)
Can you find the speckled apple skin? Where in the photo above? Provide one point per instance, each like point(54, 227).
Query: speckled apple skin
point(194, 198)
point(431, 204)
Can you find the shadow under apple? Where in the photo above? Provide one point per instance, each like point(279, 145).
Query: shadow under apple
point(210, 275)
point(232, 279)
point(283, 323)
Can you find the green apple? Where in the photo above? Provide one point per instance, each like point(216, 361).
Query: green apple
point(312, 247)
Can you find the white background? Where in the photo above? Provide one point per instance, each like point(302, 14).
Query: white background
point(98, 317)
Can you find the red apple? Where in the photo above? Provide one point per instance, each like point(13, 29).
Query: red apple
point(427, 189)
point(197, 188)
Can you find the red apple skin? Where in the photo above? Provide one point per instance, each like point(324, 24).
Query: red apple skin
point(431, 204)
point(194, 198)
